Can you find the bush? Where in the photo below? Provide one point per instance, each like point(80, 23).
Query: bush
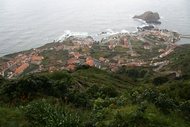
point(50, 113)
point(25, 89)
point(2, 79)
point(133, 72)
point(160, 100)
point(58, 75)
point(185, 109)
point(86, 98)
point(165, 104)
point(12, 117)
point(160, 80)
point(150, 95)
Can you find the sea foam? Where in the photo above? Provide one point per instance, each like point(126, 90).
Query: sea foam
point(68, 33)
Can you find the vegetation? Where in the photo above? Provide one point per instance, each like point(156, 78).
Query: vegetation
point(130, 97)
point(180, 60)
point(92, 97)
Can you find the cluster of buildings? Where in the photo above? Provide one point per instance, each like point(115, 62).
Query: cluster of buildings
point(16, 66)
point(158, 35)
point(117, 40)
point(79, 52)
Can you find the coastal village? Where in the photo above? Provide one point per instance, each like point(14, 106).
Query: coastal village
point(144, 48)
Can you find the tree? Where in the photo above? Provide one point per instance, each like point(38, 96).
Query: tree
point(160, 80)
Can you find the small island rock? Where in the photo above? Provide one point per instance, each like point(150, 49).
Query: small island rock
point(149, 17)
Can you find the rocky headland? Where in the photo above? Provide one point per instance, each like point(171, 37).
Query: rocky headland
point(149, 17)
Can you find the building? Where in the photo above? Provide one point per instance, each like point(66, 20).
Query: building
point(21, 69)
point(36, 60)
point(102, 59)
point(70, 67)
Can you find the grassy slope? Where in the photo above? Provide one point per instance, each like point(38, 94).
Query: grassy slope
point(123, 110)
point(89, 76)
point(180, 59)
point(94, 76)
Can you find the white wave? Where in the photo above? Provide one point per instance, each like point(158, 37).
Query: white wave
point(146, 25)
point(143, 25)
point(140, 20)
point(110, 32)
point(107, 32)
point(124, 31)
point(135, 30)
point(68, 33)
point(46, 39)
point(103, 34)
point(131, 16)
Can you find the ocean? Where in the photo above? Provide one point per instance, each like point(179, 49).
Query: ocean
point(26, 24)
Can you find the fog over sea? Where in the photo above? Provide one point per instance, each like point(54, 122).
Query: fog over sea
point(26, 24)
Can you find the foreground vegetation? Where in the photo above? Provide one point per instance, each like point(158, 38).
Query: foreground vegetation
point(91, 97)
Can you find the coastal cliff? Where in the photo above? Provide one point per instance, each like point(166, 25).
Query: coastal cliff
point(149, 17)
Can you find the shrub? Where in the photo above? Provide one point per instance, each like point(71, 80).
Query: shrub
point(25, 89)
point(150, 95)
point(2, 79)
point(86, 98)
point(185, 109)
point(12, 117)
point(133, 72)
point(165, 104)
point(50, 114)
point(160, 80)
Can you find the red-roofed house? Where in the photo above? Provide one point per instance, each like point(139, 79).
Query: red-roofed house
point(70, 67)
point(59, 61)
point(27, 58)
point(111, 46)
point(134, 54)
point(36, 60)
point(125, 46)
point(61, 46)
point(88, 58)
point(115, 69)
point(4, 66)
point(19, 63)
point(90, 62)
point(125, 40)
point(77, 54)
point(20, 70)
point(102, 59)
point(52, 61)
point(120, 61)
point(72, 61)
point(20, 55)
point(146, 46)
point(10, 63)
point(161, 50)
point(2, 73)
point(52, 68)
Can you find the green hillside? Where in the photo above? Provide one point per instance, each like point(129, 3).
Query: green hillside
point(92, 97)
point(180, 59)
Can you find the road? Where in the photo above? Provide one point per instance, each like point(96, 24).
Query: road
point(130, 46)
point(159, 67)
point(145, 40)
point(6, 58)
point(170, 40)
point(185, 36)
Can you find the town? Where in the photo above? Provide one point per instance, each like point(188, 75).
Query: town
point(144, 48)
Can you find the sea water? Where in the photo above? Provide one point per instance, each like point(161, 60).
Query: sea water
point(26, 24)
